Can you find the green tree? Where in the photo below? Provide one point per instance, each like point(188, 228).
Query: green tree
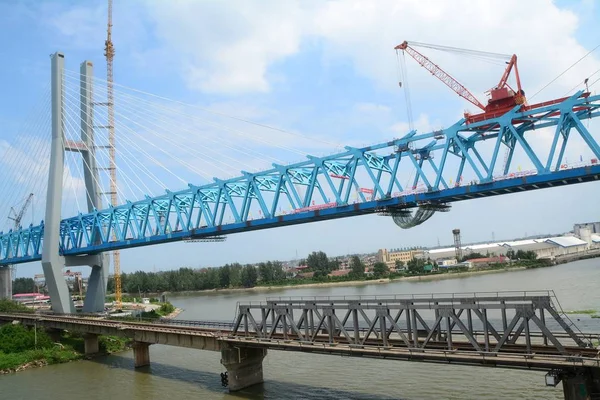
point(235, 275)
point(265, 271)
point(224, 276)
point(18, 338)
point(357, 268)
point(380, 270)
point(472, 256)
point(24, 285)
point(278, 272)
point(318, 262)
point(526, 255)
point(415, 266)
point(399, 265)
point(249, 276)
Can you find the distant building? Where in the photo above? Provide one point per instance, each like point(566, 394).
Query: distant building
point(390, 258)
point(484, 262)
point(543, 248)
point(447, 262)
point(594, 227)
point(339, 272)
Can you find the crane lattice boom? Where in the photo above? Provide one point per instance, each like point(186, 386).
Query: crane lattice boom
point(19, 216)
point(440, 74)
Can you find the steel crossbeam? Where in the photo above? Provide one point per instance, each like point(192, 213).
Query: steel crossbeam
point(321, 188)
point(471, 323)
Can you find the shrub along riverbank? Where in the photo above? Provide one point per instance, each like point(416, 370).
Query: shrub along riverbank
point(23, 347)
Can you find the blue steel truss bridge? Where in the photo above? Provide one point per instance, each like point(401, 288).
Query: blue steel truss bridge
point(408, 178)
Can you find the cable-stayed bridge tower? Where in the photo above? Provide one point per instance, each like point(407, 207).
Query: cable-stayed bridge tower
point(52, 262)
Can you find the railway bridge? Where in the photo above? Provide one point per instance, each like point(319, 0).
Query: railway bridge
point(523, 330)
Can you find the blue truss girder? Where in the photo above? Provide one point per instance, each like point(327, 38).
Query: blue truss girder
point(321, 187)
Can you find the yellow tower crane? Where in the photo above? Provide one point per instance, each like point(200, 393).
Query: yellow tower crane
point(109, 53)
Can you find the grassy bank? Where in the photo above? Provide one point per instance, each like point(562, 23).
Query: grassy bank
point(23, 347)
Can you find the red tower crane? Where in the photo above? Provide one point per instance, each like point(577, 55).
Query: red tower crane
point(502, 96)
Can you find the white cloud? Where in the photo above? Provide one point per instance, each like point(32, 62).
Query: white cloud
point(422, 125)
point(229, 47)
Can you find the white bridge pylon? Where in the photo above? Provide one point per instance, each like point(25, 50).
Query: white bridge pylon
point(52, 262)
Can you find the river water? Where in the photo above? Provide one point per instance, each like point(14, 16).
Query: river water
point(177, 373)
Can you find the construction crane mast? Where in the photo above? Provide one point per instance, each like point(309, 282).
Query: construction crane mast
point(17, 217)
point(109, 53)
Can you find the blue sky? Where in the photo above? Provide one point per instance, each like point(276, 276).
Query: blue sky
point(324, 69)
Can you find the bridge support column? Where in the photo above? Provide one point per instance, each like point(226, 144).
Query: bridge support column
point(5, 283)
point(91, 343)
point(141, 354)
point(244, 366)
point(54, 334)
point(581, 384)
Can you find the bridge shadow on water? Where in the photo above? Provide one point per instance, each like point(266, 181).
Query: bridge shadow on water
point(211, 382)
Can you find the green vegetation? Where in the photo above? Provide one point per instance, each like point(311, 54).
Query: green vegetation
point(24, 285)
point(21, 345)
point(271, 273)
point(164, 310)
point(357, 268)
point(11, 306)
point(589, 311)
point(380, 270)
point(18, 338)
point(596, 316)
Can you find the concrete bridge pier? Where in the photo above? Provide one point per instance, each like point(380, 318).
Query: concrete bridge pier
point(91, 343)
point(5, 283)
point(581, 384)
point(244, 366)
point(141, 354)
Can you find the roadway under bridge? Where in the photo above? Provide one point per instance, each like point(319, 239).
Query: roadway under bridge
point(523, 330)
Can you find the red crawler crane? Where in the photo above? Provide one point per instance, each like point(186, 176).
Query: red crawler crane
point(502, 96)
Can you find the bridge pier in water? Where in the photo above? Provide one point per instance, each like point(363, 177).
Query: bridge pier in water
point(244, 366)
point(91, 343)
point(141, 354)
point(581, 383)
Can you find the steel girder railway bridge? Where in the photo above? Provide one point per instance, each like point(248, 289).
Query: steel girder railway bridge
point(523, 330)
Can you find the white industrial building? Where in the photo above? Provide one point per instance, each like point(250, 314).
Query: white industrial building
point(543, 248)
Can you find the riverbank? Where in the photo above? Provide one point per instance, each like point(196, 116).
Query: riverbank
point(424, 278)
point(23, 348)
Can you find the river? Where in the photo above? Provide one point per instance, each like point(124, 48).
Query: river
point(177, 373)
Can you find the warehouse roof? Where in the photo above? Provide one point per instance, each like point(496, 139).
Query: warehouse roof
point(566, 241)
point(526, 244)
